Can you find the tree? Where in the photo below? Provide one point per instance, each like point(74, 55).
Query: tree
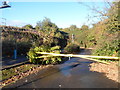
point(73, 27)
point(51, 34)
point(112, 21)
point(46, 24)
point(39, 25)
point(28, 26)
point(84, 27)
point(108, 42)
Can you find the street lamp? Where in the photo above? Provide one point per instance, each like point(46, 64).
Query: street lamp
point(5, 5)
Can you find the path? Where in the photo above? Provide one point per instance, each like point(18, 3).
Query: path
point(74, 73)
point(7, 62)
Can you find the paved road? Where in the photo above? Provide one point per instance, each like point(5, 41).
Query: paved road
point(74, 73)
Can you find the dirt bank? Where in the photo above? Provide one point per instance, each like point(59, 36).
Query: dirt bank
point(111, 70)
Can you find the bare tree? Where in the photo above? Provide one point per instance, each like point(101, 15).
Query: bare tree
point(99, 13)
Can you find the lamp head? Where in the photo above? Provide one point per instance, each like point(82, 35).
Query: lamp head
point(5, 5)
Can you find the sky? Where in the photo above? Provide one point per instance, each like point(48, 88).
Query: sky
point(63, 14)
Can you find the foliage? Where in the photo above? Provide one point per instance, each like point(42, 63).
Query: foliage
point(8, 47)
point(108, 42)
point(73, 27)
point(23, 47)
point(103, 36)
point(25, 39)
point(84, 27)
point(46, 25)
point(81, 36)
point(28, 26)
point(8, 73)
point(44, 59)
point(72, 48)
point(51, 34)
point(15, 40)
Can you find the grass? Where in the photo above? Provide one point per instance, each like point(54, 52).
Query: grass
point(108, 60)
point(111, 61)
point(8, 73)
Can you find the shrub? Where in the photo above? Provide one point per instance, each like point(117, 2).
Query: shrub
point(71, 48)
point(44, 59)
point(23, 47)
point(8, 47)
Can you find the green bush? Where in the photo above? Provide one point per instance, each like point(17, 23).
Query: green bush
point(108, 48)
point(23, 47)
point(71, 48)
point(8, 47)
point(36, 58)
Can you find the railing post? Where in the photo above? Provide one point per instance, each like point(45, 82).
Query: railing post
point(15, 54)
point(69, 58)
